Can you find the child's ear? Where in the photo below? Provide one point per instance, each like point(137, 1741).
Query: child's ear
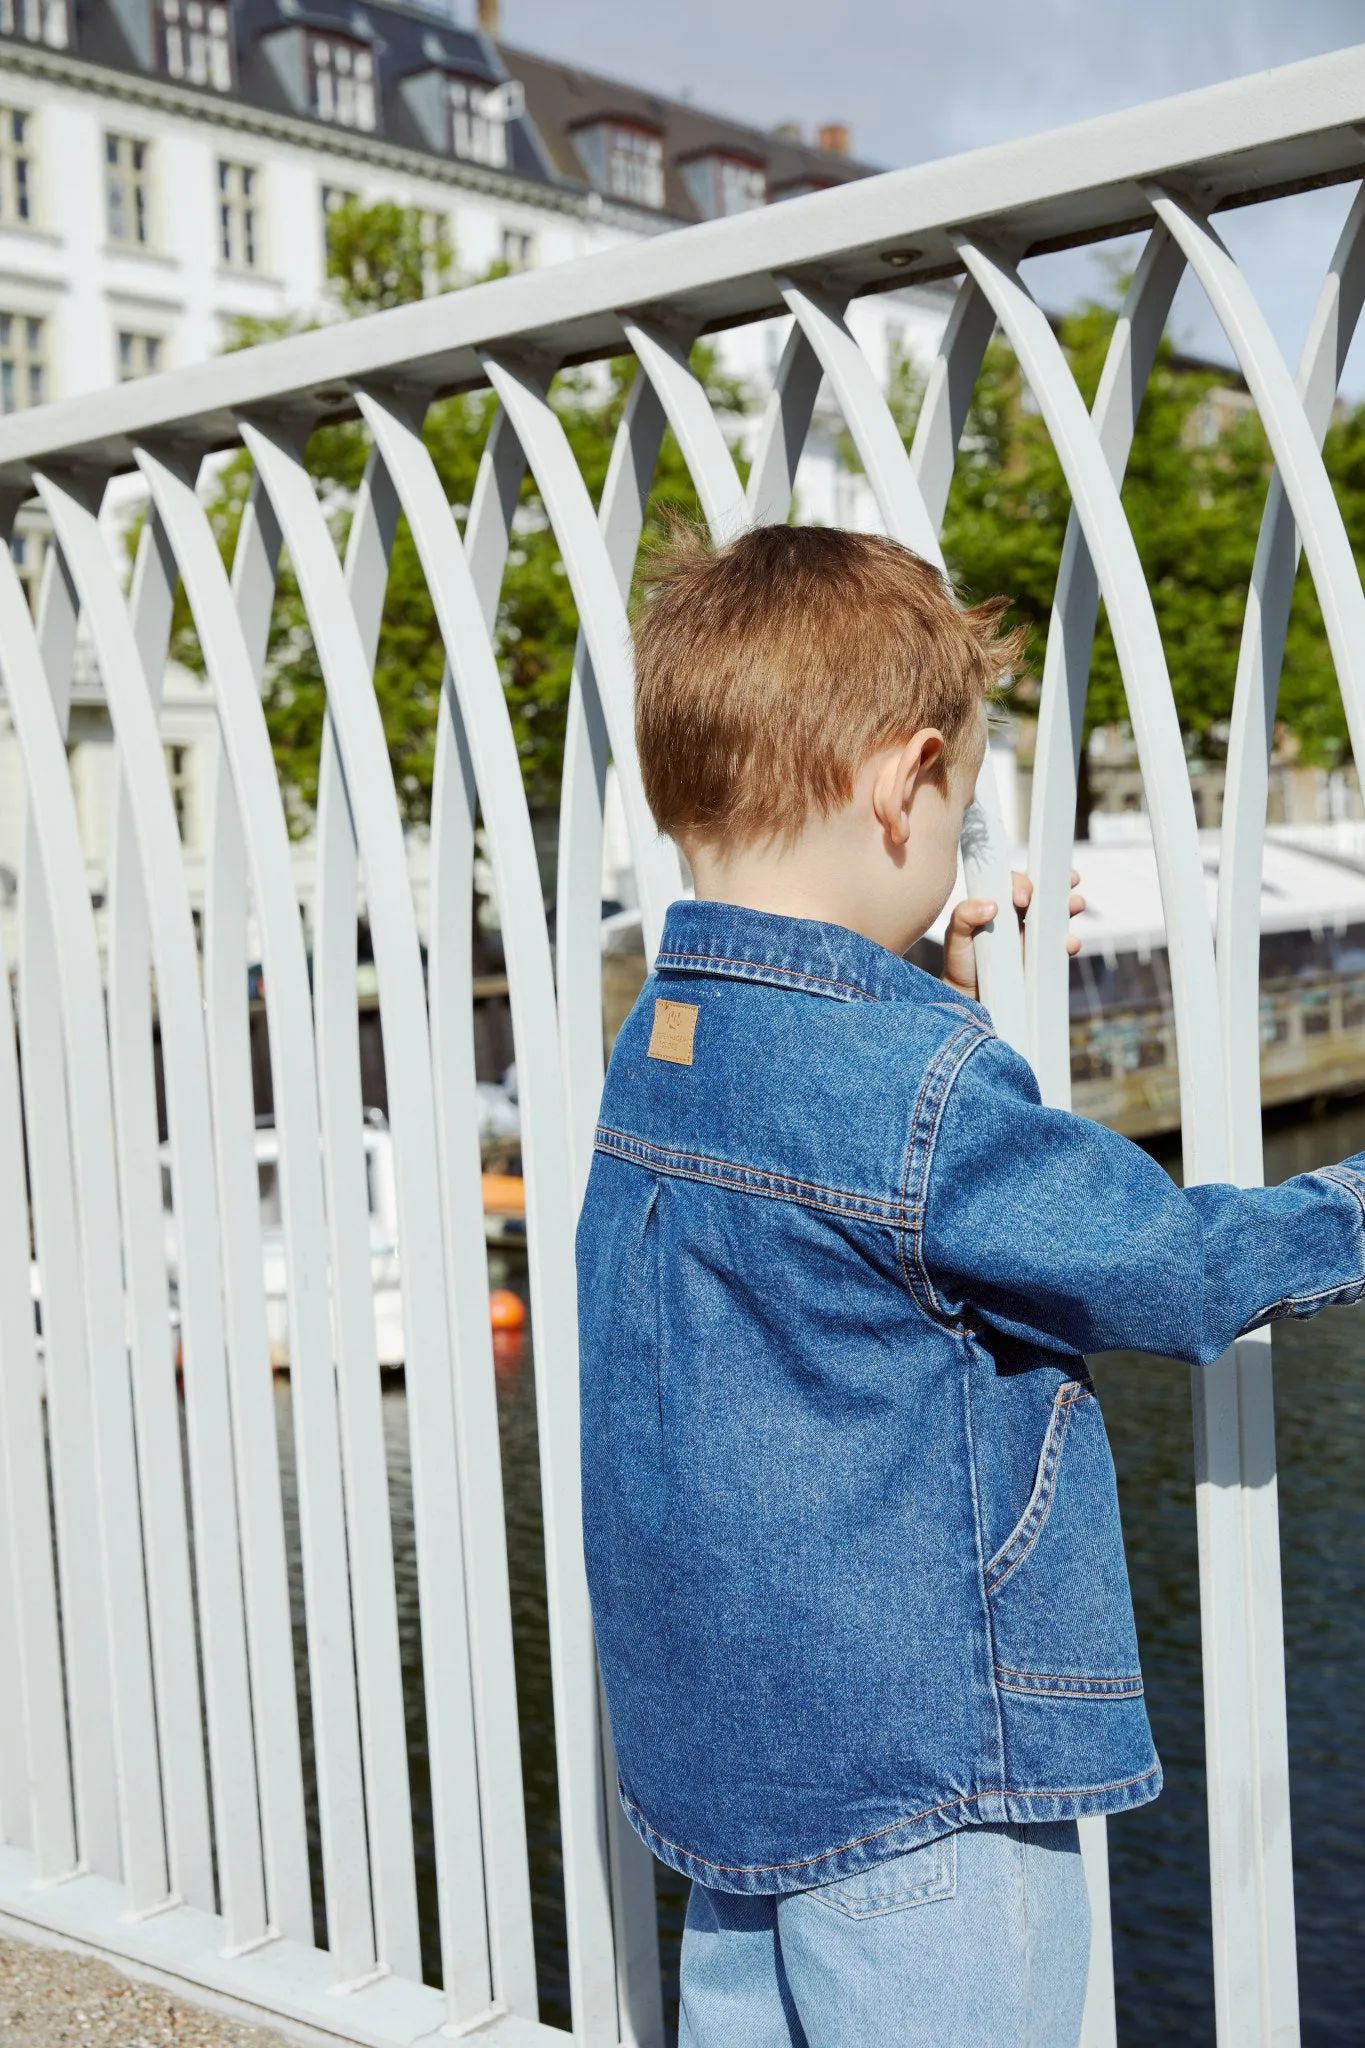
point(902, 773)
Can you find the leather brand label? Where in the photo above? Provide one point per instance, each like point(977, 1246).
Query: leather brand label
point(675, 1027)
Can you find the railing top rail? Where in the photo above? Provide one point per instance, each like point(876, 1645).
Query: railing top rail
point(1253, 138)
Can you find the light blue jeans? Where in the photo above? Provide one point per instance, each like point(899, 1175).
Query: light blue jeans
point(978, 1940)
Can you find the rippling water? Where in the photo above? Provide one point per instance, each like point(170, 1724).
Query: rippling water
point(1158, 1856)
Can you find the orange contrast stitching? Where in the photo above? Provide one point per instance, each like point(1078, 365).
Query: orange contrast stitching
point(892, 1211)
point(770, 967)
point(879, 1834)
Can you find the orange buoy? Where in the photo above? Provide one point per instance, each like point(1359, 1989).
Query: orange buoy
point(504, 1194)
point(506, 1311)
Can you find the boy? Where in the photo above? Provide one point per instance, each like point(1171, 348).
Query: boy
point(852, 1533)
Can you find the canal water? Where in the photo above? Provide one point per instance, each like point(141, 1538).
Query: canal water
point(1158, 1856)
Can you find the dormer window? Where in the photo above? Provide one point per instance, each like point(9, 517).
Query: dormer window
point(196, 44)
point(341, 74)
point(480, 116)
point(719, 184)
point(36, 21)
point(624, 159)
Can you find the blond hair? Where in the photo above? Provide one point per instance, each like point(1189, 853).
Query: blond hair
point(769, 670)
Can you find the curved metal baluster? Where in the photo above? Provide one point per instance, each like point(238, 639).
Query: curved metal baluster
point(1066, 672)
point(15, 1819)
point(1239, 944)
point(548, 1196)
point(1237, 1856)
point(207, 1408)
point(578, 967)
point(1061, 715)
point(379, 1671)
point(1293, 443)
point(155, 1402)
point(985, 855)
point(1142, 661)
point(602, 617)
point(265, 1570)
point(436, 1506)
point(40, 1816)
point(450, 996)
point(587, 745)
point(782, 437)
point(948, 395)
point(1258, 675)
point(312, 1382)
point(56, 845)
point(663, 358)
point(57, 1244)
point(1296, 422)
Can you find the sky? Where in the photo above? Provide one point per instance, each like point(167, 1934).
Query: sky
point(919, 79)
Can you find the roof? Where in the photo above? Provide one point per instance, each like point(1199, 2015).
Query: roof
point(412, 55)
point(564, 99)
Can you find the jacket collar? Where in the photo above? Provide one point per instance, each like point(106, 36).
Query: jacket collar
point(789, 952)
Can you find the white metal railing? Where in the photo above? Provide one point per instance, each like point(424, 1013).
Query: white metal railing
point(152, 1790)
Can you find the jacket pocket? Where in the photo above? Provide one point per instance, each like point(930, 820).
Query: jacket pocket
point(1061, 1610)
point(1028, 1528)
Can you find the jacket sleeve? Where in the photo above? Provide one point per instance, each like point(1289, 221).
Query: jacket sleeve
point(1057, 1231)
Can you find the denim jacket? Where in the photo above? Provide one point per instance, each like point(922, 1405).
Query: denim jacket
point(852, 1533)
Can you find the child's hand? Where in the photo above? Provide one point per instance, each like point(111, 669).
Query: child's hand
point(959, 958)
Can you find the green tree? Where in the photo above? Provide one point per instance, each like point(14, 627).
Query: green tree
point(381, 256)
point(1193, 492)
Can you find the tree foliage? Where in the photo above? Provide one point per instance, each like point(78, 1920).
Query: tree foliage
point(1193, 493)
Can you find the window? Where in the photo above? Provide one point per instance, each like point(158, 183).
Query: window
point(635, 166)
point(139, 355)
point(518, 250)
point(719, 184)
point(23, 379)
point(127, 190)
point(37, 21)
point(742, 186)
point(479, 119)
point(16, 165)
point(239, 215)
point(196, 43)
point(623, 160)
point(343, 82)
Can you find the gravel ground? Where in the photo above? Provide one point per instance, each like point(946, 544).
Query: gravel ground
point(53, 1998)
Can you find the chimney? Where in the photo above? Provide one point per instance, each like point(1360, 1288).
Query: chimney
point(489, 22)
point(834, 136)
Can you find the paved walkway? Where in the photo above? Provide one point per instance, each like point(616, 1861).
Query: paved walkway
point(51, 1998)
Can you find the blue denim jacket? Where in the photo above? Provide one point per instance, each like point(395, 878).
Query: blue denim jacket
point(852, 1533)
